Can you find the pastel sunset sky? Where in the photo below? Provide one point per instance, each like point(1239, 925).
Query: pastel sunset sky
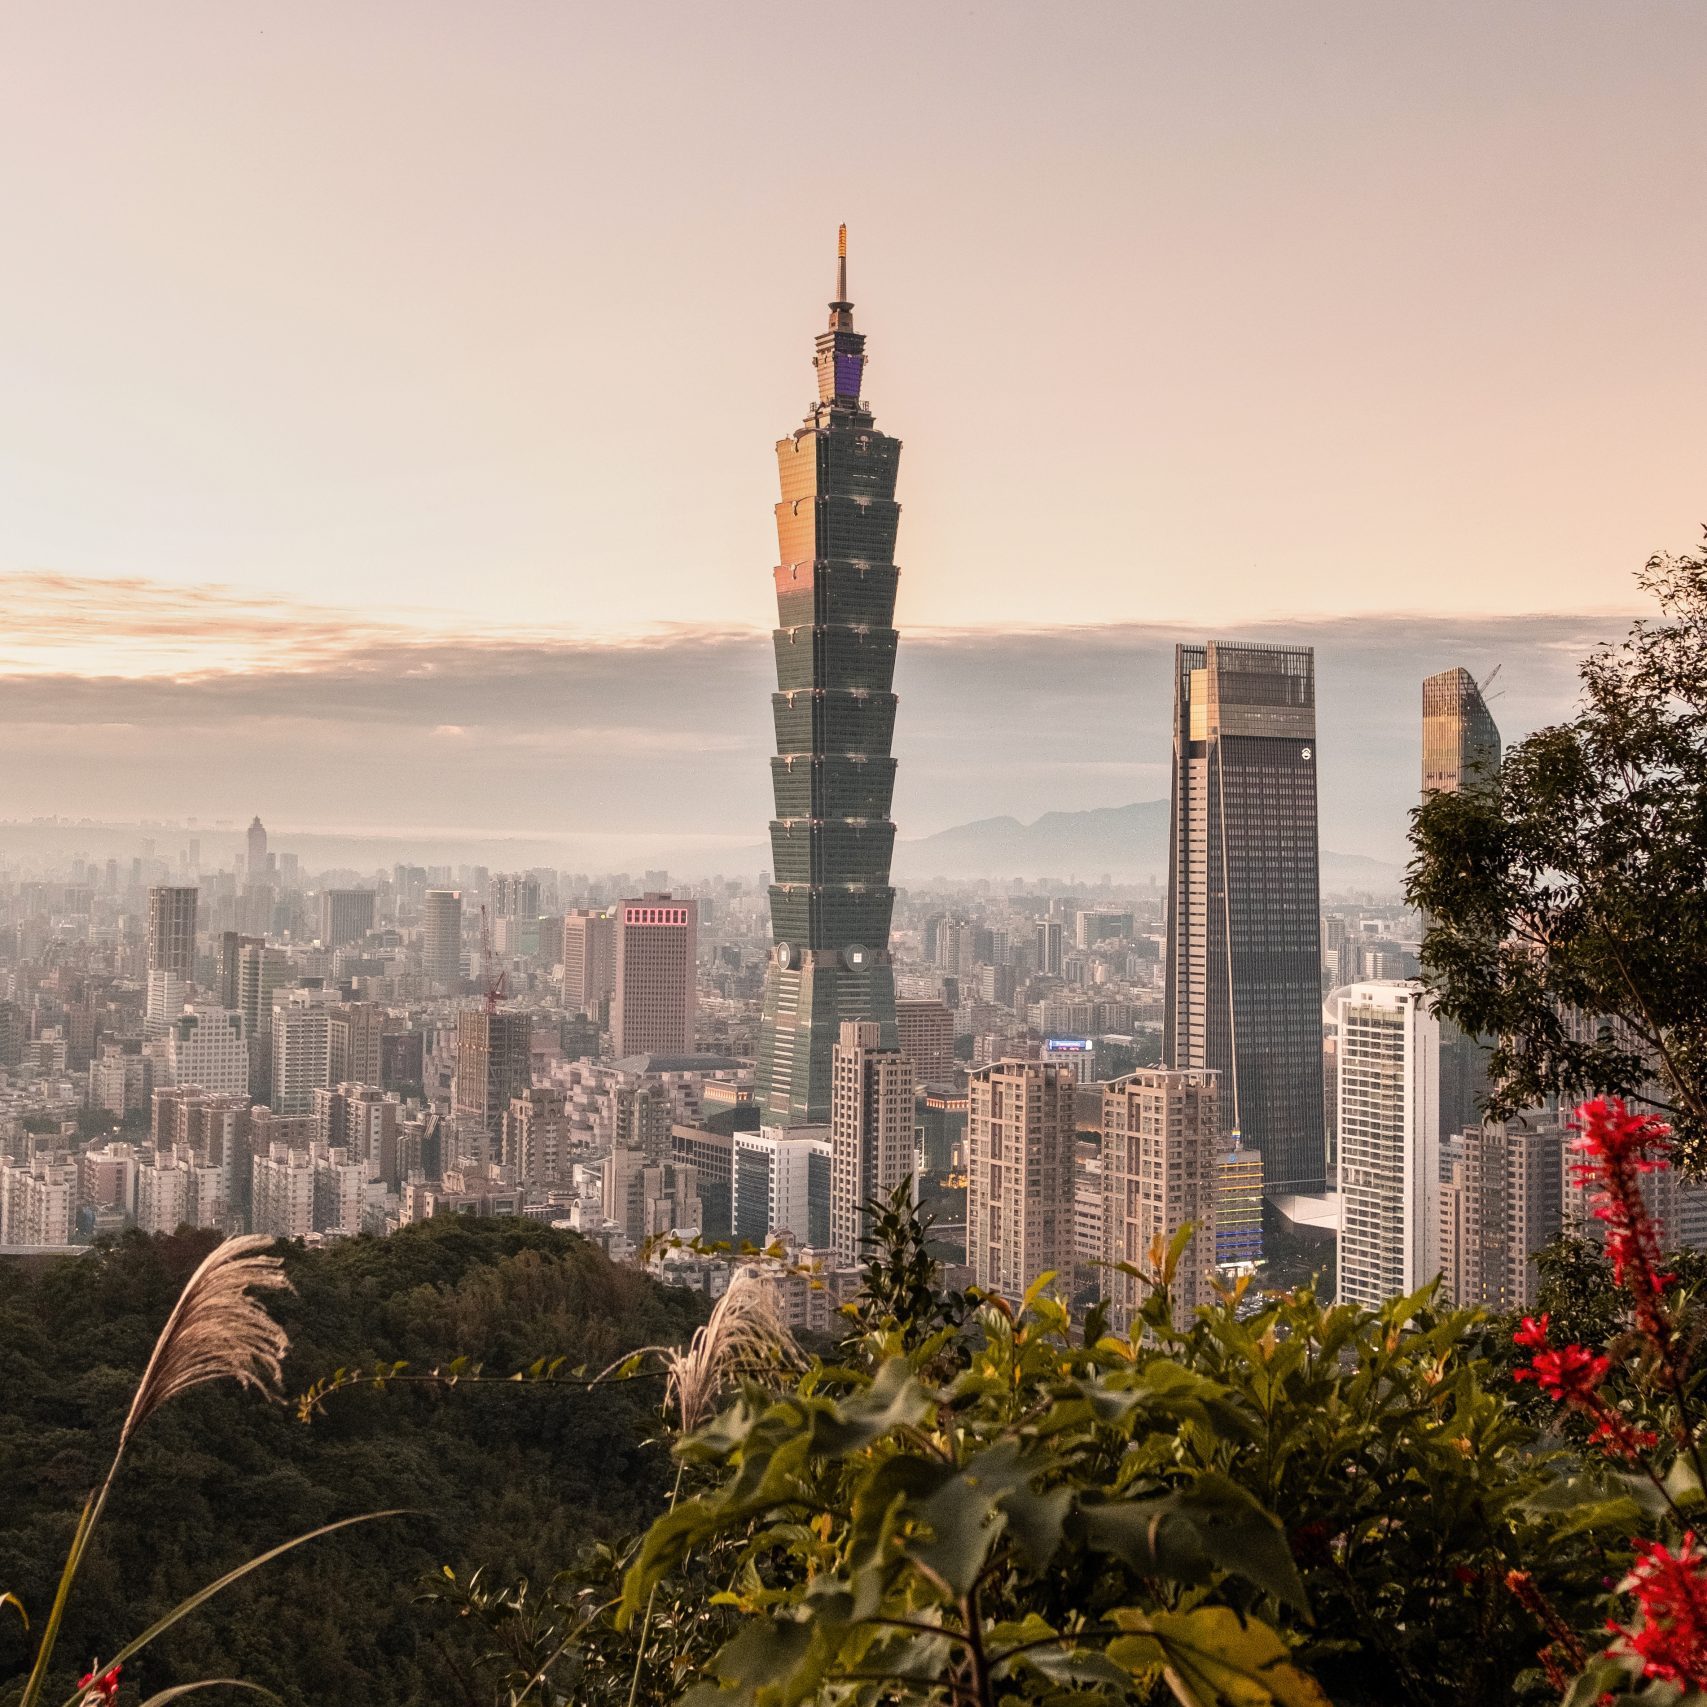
point(425, 344)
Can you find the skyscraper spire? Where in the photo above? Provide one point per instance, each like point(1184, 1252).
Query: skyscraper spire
point(841, 301)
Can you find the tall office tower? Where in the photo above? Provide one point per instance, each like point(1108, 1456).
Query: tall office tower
point(1461, 751)
point(255, 869)
point(1389, 1137)
point(172, 932)
point(230, 986)
point(833, 776)
point(1020, 1147)
point(1461, 744)
point(1501, 1200)
point(299, 1057)
point(1051, 947)
point(494, 1063)
point(657, 954)
point(441, 940)
point(589, 959)
point(261, 973)
point(871, 1131)
point(346, 916)
point(353, 1030)
point(1244, 983)
point(1161, 1154)
point(924, 1033)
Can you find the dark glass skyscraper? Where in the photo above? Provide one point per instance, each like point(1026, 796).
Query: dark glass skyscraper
point(832, 836)
point(1244, 970)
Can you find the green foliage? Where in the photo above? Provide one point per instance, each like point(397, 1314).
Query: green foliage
point(903, 1539)
point(1567, 915)
point(520, 1480)
point(1287, 1504)
point(899, 1290)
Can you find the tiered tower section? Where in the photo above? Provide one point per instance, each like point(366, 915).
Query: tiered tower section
point(834, 779)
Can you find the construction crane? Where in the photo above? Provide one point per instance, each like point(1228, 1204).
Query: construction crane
point(494, 986)
point(1488, 681)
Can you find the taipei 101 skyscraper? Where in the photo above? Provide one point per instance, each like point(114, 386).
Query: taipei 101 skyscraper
point(834, 779)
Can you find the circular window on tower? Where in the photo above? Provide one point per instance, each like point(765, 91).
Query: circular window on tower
point(785, 955)
point(856, 956)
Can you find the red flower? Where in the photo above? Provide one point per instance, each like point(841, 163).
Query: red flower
point(1572, 1373)
point(1617, 1148)
point(1671, 1594)
point(1533, 1333)
point(1619, 1440)
point(101, 1686)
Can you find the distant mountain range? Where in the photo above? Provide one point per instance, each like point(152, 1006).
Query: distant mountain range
point(1122, 842)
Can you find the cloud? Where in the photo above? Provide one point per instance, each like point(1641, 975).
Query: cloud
point(314, 719)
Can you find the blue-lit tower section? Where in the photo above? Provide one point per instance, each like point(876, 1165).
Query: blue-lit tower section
point(834, 778)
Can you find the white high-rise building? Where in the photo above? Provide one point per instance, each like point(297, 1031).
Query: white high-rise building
point(1388, 1051)
point(164, 1000)
point(162, 1194)
point(781, 1184)
point(210, 1049)
point(871, 1130)
point(282, 1192)
point(300, 1056)
point(38, 1201)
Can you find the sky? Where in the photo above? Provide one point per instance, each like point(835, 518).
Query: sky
point(349, 352)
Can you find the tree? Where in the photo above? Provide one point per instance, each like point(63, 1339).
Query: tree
point(1567, 904)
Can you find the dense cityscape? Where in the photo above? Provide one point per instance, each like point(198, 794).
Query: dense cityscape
point(208, 1034)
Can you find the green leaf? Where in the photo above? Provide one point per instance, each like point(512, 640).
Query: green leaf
point(1212, 1524)
point(893, 1400)
point(1216, 1659)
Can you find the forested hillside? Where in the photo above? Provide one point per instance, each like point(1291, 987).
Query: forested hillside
point(515, 1478)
